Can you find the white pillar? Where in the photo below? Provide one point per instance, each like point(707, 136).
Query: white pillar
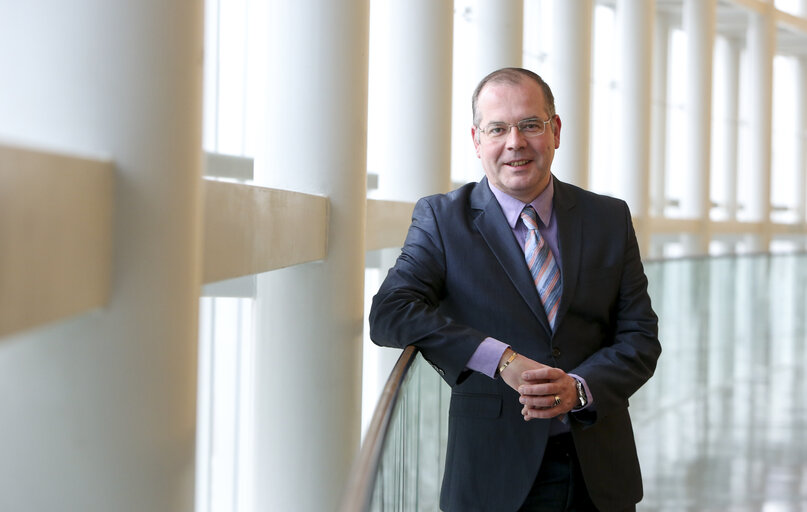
point(699, 24)
point(801, 131)
point(699, 18)
point(801, 144)
point(500, 36)
point(98, 412)
point(636, 30)
point(572, 88)
point(658, 163)
point(761, 43)
point(730, 98)
point(419, 92)
point(418, 85)
point(310, 317)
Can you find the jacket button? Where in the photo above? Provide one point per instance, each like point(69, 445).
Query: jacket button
point(556, 352)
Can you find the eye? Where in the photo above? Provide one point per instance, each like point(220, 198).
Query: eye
point(495, 129)
point(531, 125)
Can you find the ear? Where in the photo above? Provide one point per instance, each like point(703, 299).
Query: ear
point(556, 130)
point(475, 137)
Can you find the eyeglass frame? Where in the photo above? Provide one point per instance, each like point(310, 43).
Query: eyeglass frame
point(510, 126)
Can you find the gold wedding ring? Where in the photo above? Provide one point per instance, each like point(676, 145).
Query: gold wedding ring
point(557, 401)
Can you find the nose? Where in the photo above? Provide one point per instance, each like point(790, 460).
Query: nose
point(515, 139)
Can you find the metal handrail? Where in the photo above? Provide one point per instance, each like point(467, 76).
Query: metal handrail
point(359, 492)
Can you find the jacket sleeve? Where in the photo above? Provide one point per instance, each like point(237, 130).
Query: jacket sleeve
point(406, 309)
point(628, 359)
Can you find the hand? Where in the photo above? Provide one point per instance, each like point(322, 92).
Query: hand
point(513, 374)
point(539, 392)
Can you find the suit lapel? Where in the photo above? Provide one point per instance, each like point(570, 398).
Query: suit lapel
point(493, 227)
point(570, 232)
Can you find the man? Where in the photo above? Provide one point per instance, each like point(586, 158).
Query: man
point(529, 298)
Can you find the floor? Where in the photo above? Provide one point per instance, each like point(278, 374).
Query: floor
point(722, 425)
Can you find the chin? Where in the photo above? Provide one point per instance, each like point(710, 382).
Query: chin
point(523, 185)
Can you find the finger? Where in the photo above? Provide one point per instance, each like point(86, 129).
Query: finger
point(536, 374)
point(531, 414)
point(535, 389)
point(547, 412)
point(546, 374)
point(540, 402)
point(545, 388)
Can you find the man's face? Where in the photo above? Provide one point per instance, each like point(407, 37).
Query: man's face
point(515, 164)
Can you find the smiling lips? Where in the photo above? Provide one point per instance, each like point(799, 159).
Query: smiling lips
point(518, 163)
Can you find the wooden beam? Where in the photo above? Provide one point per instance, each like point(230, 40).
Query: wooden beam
point(249, 229)
point(55, 234)
point(387, 223)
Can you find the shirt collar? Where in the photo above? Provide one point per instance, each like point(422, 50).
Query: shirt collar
point(511, 207)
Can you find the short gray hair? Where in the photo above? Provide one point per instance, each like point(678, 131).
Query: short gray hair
point(512, 76)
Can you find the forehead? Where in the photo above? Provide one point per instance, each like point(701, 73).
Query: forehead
point(502, 101)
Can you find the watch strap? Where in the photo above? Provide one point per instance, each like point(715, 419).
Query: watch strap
point(582, 399)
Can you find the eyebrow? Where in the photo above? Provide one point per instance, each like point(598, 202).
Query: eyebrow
point(520, 120)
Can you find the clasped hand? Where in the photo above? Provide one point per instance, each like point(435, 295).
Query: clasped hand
point(544, 391)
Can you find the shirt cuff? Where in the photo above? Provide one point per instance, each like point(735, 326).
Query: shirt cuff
point(487, 356)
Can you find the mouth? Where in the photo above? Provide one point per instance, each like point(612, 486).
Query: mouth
point(517, 163)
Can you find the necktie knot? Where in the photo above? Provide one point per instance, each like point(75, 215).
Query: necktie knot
point(530, 217)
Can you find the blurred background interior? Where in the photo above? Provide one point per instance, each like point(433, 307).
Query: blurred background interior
point(198, 199)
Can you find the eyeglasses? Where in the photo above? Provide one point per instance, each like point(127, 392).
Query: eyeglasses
point(531, 127)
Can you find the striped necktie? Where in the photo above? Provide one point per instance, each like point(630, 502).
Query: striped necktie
point(544, 270)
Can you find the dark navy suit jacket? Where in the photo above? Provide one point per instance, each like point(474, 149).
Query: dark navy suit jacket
point(462, 276)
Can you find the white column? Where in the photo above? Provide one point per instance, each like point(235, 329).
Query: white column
point(636, 29)
point(761, 42)
point(98, 412)
point(801, 130)
point(699, 25)
point(419, 92)
point(500, 34)
point(730, 97)
point(801, 144)
point(572, 88)
point(310, 317)
point(658, 161)
point(418, 85)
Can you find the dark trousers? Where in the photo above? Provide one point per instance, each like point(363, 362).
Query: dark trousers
point(559, 486)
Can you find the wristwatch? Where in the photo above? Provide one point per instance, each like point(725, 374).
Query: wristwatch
point(582, 399)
